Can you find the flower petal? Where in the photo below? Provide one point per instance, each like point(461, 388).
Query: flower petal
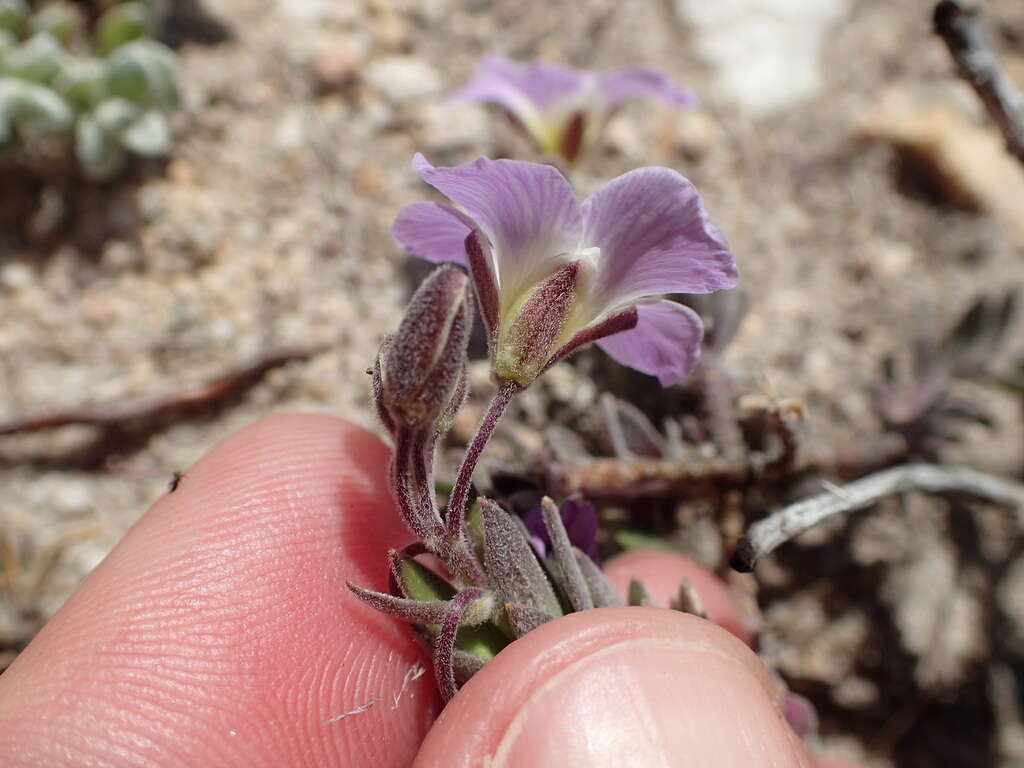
point(624, 84)
point(433, 232)
point(528, 211)
point(655, 238)
point(665, 342)
point(508, 83)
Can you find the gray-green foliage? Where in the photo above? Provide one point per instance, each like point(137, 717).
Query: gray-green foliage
point(107, 90)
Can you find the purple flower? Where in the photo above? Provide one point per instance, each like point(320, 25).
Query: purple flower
point(580, 519)
point(552, 275)
point(564, 109)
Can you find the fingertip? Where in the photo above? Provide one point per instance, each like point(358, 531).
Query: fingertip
point(663, 571)
point(220, 628)
point(617, 686)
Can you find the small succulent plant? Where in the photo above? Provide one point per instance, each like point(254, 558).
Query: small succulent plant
point(97, 88)
point(549, 276)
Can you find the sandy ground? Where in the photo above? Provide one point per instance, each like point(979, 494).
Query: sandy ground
point(269, 228)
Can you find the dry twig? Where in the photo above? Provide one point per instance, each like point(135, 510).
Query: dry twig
point(766, 535)
point(961, 27)
point(152, 407)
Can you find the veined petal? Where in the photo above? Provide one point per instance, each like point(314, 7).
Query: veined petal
point(542, 98)
point(528, 211)
point(506, 82)
point(433, 232)
point(624, 84)
point(655, 238)
point(665, 342)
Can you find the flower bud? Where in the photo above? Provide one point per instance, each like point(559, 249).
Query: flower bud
point(424, 363)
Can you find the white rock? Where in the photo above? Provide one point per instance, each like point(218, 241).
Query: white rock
point(403, 78)
point(306, 10)
point(766, 51)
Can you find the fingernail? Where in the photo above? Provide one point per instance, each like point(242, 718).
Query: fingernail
point(650, 702)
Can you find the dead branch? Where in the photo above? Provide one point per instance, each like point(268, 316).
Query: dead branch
point(961, 27)
point(766, 535)
point(151, 407)
point(617, 480)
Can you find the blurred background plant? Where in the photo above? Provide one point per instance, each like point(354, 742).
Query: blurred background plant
point(84, 83)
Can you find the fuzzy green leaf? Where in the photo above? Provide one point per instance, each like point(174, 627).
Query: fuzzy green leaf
point(566, 569)
point(8, 42)
point(98, 152)
point(37, 59)
point(58, 19)
point(144, 72)
point(13, 14)
point(511, 563)
point(638, 594)
point(601, 590)
point(33, 108)
point(82, 83)
point(149, 135)
point(121, 24)
point(114, 116)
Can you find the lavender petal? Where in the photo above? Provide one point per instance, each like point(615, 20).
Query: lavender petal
point(433, 232)
point(622, 85)
point(510, 84)
point(528, 211)
point(665, 342)
point(655, 238)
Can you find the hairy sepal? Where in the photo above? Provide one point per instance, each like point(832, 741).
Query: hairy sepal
point(511, 563)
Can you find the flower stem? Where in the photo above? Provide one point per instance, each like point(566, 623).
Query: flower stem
point(420, 518)
point(456, 517)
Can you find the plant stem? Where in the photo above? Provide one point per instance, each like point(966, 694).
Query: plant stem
point(422, 519)
point(456, 517)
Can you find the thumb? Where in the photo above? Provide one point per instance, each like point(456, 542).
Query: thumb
point(220, 631)
point(616, 687)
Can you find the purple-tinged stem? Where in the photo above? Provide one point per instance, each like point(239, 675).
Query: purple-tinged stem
point(444, 643)
point(412, 512)
point(421, 458)
point(456, 517)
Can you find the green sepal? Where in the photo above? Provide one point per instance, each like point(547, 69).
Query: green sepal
point(420, 583)
point(483, 641)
